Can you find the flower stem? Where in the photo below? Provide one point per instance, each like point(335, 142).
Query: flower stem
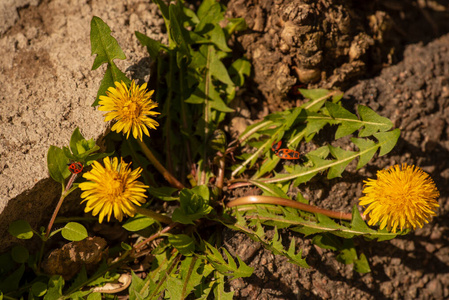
point(154, 215)
point(167, 175)
point(290, 203)
point(64, 194)
point(135, 158)
point(221, 171)
point(58, 206)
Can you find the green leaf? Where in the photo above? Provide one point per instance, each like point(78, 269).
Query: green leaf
point(201, 190)
point(217, 103)
point(268, 166)
point(328, 222)
point(8, 265)
point(183, 243)
point(290, 218)
point(21, 229)
point(367, 150)
point(138, 288)
point(270, 189)
point(11, 283)
point(199, 62)
point(125, 246)
point(316, 163)
point(315, 122)
point(207, 91)
point(357, 221)
point(174, 290)
point(361, 264)
point(39, 289)
point(218, 141)
point(138, 222)
point(55, 285)
point(198, 96)
point(295, 258)
point(194, 205)
point(387, 140)
point(217, 37)
point(347, 254)
point(103, 44)
point(107, 49)
point(153, 46)
point(217, 69)
point(57, 164)
point(234, 25)
point(76, 139)
point(81, 151)
point(112, 75)
point(179, 34)
point(73, 231)
point(192, 271)
point(230, 267)
point(372, 122)
point(327, 241)
point(348, 121)
point(81, 295)
point(198, 39)
point(219, 289)
point(102, 275)
point(238, 70)
point(314, 94)
point(163, 8)
point(80, 279)
point(208, 13)
point(343, 157)
point(20, 254)
point(274, 244)
point(280, 122)
point(93, 296)
point(304, 174)
point(318, 98)
point(192, 18)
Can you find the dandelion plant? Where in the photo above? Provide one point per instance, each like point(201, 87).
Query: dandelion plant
point(193, 172)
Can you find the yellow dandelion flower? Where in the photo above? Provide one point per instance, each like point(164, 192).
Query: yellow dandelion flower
point(112, 189)
point(404, 198)
point(131, 108)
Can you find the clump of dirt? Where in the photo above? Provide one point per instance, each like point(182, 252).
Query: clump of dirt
point(328, 43)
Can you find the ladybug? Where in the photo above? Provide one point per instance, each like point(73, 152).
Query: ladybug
point(75, 167)
point(284, 153)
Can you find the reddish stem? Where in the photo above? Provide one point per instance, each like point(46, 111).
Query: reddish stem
point(289, 203)
point(167, 175)
point(58, 206)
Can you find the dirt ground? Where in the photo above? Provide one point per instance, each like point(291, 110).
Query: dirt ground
point(415, 95)
point(48, 88)
point(410, 86)
point(412, 89)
